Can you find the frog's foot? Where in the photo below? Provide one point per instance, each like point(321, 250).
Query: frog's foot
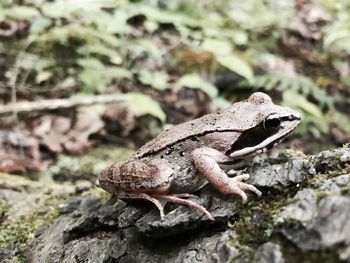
point(238, 187)
point(177, 199)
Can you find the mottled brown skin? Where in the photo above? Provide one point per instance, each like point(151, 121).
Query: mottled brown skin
point(183, 159)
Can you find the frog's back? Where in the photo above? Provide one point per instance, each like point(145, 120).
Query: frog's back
point(239, 117)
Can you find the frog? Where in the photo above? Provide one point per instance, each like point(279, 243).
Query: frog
point(208, 150)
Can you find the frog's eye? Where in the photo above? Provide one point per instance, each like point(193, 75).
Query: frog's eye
point(272, 122)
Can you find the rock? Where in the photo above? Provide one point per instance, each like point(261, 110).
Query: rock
point(269, 253)
point(329, 228)
point(87, 229)
point(318, 219)
point(183, 218)
point(277, 176)
point(336, 185)
point(79, 219)
point(304, 210)
point(224, 251)
point(331, 160)
point(82, 186)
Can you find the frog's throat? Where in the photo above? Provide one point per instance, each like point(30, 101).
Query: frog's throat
point(269, 142)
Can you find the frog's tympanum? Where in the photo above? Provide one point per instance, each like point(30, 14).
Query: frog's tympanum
point(183, 159)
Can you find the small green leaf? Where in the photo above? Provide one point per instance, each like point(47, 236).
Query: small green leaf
point(91, 63)
point(81, 32)
point(238, 66)
point(337, 41)
point(21, 12)
point(56, 9)
point(157, 80)
point(145, 46)
point(217, 47)
point(142, 104)
point(221, 103)
point(340, 119)
point(112, 23)
point(44, 63)
point(40, 24)
point(43, 76)
point(311, 112)
point(194, 81)
point(293, 99)
point(97, 76)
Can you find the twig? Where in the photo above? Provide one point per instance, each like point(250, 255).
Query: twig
point(54, 104)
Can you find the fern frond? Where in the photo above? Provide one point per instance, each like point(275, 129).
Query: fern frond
point(300, 84)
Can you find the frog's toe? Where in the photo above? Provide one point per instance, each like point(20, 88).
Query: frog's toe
point(250, 187)
point(240, 188)
point(245, 186)
point(161, 215)
point(243, 195)
point(177, 200)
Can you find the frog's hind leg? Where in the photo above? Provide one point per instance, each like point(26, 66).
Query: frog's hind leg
point(184, 195)
point(176, 199)
point(145, 196)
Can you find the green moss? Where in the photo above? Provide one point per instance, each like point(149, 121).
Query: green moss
point(256, 219)
point(256, 222)
point(19, 232)
point(16, 232)
point(330, 163)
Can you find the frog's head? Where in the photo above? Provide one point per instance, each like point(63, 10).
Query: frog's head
point(266, 125)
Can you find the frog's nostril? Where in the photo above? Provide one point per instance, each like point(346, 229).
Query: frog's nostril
point(295, 116)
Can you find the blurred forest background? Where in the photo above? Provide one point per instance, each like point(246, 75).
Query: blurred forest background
point(170, 61)
point(175, 60)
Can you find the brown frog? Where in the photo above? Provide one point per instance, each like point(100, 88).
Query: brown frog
point(183, 159)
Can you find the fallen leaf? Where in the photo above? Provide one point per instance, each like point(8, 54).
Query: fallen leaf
point(15, 162)
point(19, 152)
point(51, 130)
point(88, 122)
point(119, 118)
point(60, 133)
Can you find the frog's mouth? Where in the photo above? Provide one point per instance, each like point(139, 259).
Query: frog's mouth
point(258, 139)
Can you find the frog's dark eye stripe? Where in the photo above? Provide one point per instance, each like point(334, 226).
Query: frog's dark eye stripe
point(272, 122)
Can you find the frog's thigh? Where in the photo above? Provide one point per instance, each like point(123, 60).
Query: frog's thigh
point(206, 161)
point(153, 176)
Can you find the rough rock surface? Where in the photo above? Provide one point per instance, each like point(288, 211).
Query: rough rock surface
point(269, 253)
point(304, 214)
point(322, 223)
point(115, 232)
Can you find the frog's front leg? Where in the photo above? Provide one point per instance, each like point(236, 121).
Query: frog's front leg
point(207, 162)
